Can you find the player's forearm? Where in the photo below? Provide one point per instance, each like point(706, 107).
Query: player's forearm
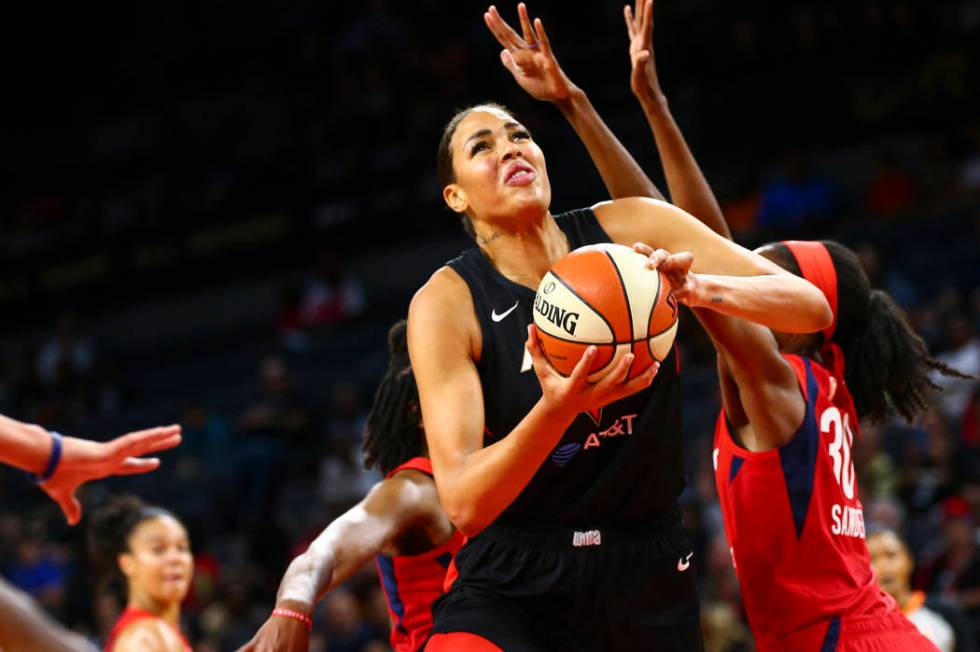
point(686, 182)
point(24, 445)
point(487, 481)
point(307, 578)
point(621, 174)
point(783, 302)
point(25, 628)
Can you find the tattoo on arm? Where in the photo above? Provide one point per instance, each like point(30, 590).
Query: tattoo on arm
point(716, 299)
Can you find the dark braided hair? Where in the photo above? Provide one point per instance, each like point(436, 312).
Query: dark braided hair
point(393, 433)
point(108, 534)
point(887, 363)
point(444, 155)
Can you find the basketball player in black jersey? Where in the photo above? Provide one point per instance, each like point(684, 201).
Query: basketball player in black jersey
point(566, 489)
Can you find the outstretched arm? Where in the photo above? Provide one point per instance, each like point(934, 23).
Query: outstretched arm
point(389, 510)
point(686, 183)
point(758, 385)
point(70, 462)
point(25, 628)
point(532, 62)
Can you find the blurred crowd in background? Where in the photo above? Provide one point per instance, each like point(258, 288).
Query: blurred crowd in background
point(214, 218)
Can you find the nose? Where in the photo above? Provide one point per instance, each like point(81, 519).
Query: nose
point(512, 151)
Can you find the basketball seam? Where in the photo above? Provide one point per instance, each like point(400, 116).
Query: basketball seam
point(615, 345)
point(612, 330)
point(656, 299)
point(626, 297)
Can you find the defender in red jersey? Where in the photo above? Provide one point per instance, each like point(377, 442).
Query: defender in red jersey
point(783, 464)
point(400, 523)
point(782, 456)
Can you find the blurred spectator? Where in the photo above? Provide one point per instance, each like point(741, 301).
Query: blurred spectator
point(346, 629)
point(67, 358)
point(954, 568)
point(963, 354)
point(38, 571)
point(333, 296)
point(892, 189)
point(799, 198)
point(276, 412)
point(893, 564)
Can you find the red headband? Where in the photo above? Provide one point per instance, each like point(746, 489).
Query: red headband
point(817, 267)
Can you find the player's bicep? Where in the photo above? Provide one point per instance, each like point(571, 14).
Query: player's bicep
point(768, 394)
point(663, 225)
point(388, 511)
point(450, 392)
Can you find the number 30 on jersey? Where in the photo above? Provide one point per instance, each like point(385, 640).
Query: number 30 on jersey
point(832, 423)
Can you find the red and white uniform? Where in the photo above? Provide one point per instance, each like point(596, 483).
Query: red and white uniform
point(411, 583)
point(131, 615)
point(795, 526)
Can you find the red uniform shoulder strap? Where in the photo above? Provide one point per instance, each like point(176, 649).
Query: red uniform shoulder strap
point(415, 464)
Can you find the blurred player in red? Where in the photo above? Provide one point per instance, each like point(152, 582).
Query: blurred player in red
point(61, 465)
point(791, 406)
point(150, 548)
point(400, 523)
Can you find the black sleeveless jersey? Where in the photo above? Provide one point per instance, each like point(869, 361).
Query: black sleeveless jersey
point(615, 467)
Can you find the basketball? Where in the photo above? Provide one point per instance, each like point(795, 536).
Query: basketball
point(604, 296)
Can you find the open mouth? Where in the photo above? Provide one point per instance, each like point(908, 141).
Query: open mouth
point(520, 174)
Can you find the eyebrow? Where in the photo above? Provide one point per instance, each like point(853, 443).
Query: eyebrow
point(486, 132)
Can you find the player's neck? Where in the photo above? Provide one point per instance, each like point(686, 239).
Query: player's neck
point(525, 253)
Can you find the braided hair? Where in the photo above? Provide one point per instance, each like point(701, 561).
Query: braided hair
point(393, 433)
point(444, 154)
point(886, 362)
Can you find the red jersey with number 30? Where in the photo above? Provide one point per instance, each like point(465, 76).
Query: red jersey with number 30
point(411, 583)
point(794, 522)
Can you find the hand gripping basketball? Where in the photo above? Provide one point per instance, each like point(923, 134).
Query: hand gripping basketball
point(575, 394)
point(676, 268)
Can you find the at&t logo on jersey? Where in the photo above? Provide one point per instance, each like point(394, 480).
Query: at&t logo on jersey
point(622, 426)
point(846, 521)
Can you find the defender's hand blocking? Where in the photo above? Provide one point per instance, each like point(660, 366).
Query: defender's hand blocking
point(529, 58)
point(575, 394)
point(639, 26)
point(83, 461)
point(676, 268)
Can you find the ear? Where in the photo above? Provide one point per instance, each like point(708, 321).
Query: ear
point(455, 198)
point(126, 564)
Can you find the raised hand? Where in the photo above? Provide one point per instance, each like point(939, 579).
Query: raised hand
point(529, 57)
point(83, 461)
point(643, 79)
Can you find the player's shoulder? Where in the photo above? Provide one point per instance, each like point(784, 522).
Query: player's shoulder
point(148, 635)
point(443, 288)
point(443, 308)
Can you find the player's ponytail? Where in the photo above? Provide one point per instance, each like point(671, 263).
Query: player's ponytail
point(888, 363)
point(392, 433)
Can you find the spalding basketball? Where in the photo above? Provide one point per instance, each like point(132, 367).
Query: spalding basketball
point(604, 296)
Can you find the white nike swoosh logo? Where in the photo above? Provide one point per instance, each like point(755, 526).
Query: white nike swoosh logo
point(494, 316)
point(684, 564)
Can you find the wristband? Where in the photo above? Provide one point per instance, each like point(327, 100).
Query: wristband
point(295, 615)
point(53, 460)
